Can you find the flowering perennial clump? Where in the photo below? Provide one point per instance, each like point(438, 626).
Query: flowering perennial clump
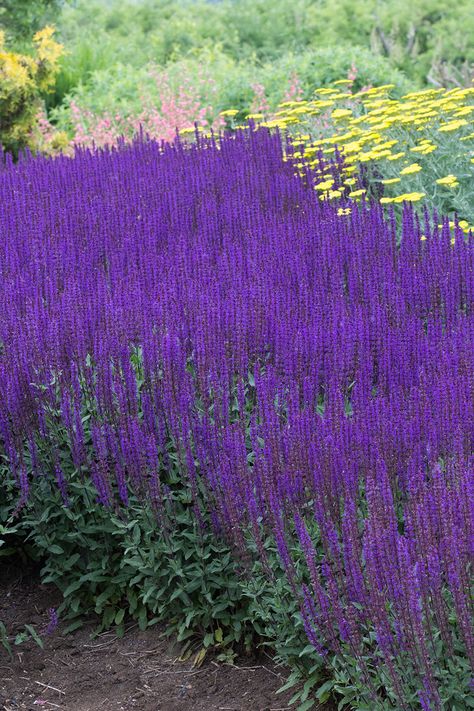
point(23, 78)
point(172, 109)
point(311, 372)
point(413, 143)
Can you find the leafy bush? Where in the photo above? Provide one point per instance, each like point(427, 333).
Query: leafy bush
point(22, 80)
point(417, 36)
point(128, 564)
point(21, 18)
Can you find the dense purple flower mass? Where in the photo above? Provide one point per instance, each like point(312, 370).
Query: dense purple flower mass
point(313, 374)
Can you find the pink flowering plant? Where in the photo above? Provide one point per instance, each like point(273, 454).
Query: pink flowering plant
point(168, 110)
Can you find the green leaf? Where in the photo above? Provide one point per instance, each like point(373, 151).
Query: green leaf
point(55, 549)
point(208, 639)
point(73, 626)
point(4, 640)
point(151, 590)
point(292, 680)
point(108, 616)
point(104, 597)
point(324, 691)
point(136, 536)
point(21, 637)
point(308, 685)
point(72, 587)
point(309, 649)
point(306, 705)
point(72, 560)
point(132, 600)
point(120, 631)
point(35, 635)
point(142, 619)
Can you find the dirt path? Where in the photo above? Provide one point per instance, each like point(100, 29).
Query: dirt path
point(139, 671)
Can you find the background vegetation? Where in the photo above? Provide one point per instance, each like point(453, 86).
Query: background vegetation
point(250, 50)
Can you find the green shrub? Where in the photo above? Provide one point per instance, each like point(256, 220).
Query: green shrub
point(22, 80)
point(414, 37)
point(21, 18)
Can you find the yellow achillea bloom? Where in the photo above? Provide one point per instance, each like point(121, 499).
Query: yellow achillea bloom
point(326, 185)
point(229, 112)
point(364, 157)
point(452, 125)
point(390, 181)
point(357, 193)
point(409, 197)
point(410, 169)
point(424, 148)
point(464, 111)
point(341, 113)
point(344, 211)
point(450, 180)
point(396, 156)
point(466, 228)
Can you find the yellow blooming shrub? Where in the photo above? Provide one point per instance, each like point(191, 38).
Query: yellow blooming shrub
point(22, 80)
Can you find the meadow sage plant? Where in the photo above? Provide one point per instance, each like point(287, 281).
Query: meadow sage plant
point(304, 363)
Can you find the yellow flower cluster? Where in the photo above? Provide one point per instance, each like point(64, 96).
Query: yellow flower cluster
point(410, 169)
point(405, 197)
point(16, 70)
point(371, 128)
point(449, 180)
point(47, 50)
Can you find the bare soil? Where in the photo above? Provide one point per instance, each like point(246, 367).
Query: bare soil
point(141, 671)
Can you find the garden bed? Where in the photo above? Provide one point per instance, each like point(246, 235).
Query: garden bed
point(139, 671)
